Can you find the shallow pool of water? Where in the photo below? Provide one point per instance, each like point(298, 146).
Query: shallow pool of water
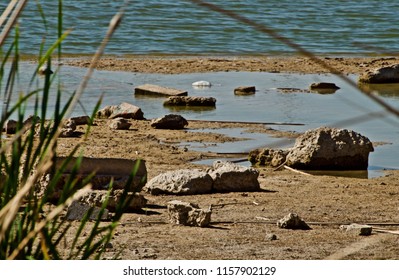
point(346, 108)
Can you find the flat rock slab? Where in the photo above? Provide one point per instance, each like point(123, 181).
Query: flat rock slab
point(188, 214)
point(124, 110)
point(156, 90)
point(190, 101)
point(324, 87)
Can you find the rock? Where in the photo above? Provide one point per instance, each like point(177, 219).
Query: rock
point(155, 90)
point(245, 90)
point(231, 177)
point(127, 111)
point(119, 124)
point(180, 182)
point(81, 120)
point(268, 157)
point(43, 70)
point(188, 214)
point(190, 101)
point(170, 121)
point(271, 237)
point(68, 128)
point(10, 126)
point(357, 229)
point(201, 84)
point(383, 75)
point(77, 210)
point(330, 149)
point(292, 221)
point(106, 112)
point(324, 87)
point(97, 198)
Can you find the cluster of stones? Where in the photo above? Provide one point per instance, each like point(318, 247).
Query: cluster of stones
point(320, 149)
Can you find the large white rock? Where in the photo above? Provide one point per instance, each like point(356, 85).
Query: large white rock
point(330, 149)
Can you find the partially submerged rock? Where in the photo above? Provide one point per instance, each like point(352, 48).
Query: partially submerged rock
point(245, 90)
point(324, 87)
point(382, 75)
point(292, 221)
point(170, 121)
point(155, 90)
point(330, 149)
point(231, 177)
point(180, 182)
point(190, 101)
point(201, 84)
point(188, 214)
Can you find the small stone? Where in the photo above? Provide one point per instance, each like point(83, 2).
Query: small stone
point(292, 221)
point(188, 214)
point(271, 237)
point(119, 124)
point(77, 210)
point(357, 229)
point(170, 121)
point(201, 84)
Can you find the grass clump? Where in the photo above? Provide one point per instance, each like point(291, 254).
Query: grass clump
point(31, 222)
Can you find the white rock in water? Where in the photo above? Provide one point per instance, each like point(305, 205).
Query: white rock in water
point(200, 84)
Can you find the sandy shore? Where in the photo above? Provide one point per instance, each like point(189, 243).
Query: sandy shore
point(242, 222)
point(188, 64)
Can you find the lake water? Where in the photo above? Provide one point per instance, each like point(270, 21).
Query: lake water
point(340, 28)
point(335, 27)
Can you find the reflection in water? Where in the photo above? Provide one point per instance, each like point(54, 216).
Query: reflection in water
point(383, 90)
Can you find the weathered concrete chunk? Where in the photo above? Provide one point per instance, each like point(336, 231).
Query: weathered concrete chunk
point(155, 90)
point(105, 169)
point(292, 221)
point(170, 121)
point(188, 214)
point(97, 197)
point(231, 177)
point(268, 157)
point(180, 182)
point(357, 229)
point(190, 101)
point(105, 112)
point(119, 124)
point(330, 149)
point(77, 210)
point(245, 90)
point(382, 75)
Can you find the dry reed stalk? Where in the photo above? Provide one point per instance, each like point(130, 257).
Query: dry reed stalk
point(12, 19)
point(54, 213)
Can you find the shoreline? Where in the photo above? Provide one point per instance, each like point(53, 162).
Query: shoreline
point(175, 64)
